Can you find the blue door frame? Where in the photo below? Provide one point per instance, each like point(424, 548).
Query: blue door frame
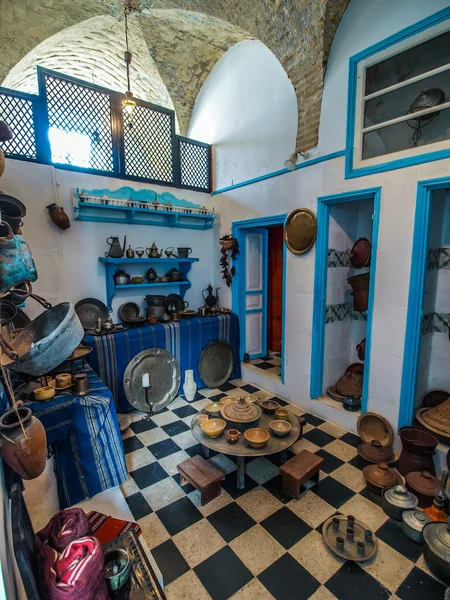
point(416, 297)
point(320, 285)
point(238, 230)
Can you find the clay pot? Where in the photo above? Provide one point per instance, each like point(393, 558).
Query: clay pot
point(25, 455)
point(58, 216)
point(360, 287)
point(375, 452)
point(424, 486)
point(380, 476)
point(418, 447)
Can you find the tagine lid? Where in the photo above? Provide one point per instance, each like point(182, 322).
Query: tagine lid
point(381, 475)
point(372, 426)
point(374, 452)
point(400, 497)
point(423, 482)
point(241, 411)
point(416, 519)
point(437, 538)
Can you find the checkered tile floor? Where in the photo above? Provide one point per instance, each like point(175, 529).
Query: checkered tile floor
point(257, 543)
point(270, 364)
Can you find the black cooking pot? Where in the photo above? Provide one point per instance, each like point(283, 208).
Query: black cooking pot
point(155, 300)
point(12, 211)
point(436, 549)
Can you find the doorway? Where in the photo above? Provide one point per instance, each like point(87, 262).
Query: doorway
point(258, 292)
point(427, 350)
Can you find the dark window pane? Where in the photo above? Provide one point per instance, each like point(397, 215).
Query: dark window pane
point(412, 62)
point(400, 136)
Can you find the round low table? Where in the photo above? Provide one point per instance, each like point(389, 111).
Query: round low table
point(242, 449)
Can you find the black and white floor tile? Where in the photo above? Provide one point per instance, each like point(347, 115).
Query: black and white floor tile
point(257, 543)
point(270, 364)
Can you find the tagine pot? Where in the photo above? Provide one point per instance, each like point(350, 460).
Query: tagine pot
point(25, 454)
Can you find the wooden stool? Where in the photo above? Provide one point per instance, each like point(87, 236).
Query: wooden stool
point(302, 467)
point(203, 475)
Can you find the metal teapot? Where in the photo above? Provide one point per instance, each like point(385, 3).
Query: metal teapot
point(210, 299)
point(115, 249)
point(153, 251)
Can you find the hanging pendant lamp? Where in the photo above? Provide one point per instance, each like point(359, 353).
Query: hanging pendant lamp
point(128, 103)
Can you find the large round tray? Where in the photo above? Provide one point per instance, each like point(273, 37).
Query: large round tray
point(350, 551)
point(300, 230)
point(372, 426)
point(89, 310)
point(165, 378)
point(216, 364)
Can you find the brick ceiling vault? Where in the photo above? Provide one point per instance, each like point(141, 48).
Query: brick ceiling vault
point(184, 39)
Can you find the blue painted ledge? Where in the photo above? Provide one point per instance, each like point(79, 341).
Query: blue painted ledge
point(303, 165)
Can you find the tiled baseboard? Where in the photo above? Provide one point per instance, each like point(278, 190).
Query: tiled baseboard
point(435, 323)
point(336, 313)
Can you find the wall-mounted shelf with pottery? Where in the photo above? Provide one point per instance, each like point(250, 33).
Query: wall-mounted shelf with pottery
point(113, 264)
point(139, 207)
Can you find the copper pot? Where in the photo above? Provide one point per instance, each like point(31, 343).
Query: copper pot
point(418, 448)
point(374, 452)
point(424, 486)
point(25, 455)
point(380, 476)
point(360, 287)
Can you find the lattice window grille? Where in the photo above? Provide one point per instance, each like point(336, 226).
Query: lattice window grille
point(147, 136)
point(85, 111)
point(194, 165)
point(18, 113)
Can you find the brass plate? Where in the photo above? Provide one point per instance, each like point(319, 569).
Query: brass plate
point(300, 230)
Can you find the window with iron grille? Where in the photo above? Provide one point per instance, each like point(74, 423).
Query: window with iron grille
point(147, 140)
point(17, 111)
point(194, 164)
point(79, 120)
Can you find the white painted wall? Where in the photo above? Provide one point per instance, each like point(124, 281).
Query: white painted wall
point(363, 24)
point(247, 108)
point(67, 261)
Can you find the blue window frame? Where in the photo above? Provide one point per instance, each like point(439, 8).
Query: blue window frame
point(355, 165)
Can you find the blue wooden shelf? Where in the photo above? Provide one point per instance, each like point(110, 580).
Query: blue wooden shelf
point(111, 265)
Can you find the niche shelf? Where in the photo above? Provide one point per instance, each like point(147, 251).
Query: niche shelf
point(112, 264)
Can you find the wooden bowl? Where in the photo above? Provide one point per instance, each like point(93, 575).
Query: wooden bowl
point(270, 406)
point(213, 427)
point(280, 428)
point(257, 437)
point(282, 413)
point(227, 400)
point(213, 409)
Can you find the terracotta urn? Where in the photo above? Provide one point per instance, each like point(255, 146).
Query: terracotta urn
point(58, 216)
point(24, 448)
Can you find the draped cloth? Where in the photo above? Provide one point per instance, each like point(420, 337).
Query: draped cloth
point(65, 527)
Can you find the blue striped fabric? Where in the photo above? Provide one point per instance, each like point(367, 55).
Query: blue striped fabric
point(185, 339)
point(84, 435)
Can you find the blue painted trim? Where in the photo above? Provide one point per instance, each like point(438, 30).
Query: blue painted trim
point(283, 315)
point(320, 285)
point(262, 292)
point(253, 293)
point(417, 282)
point(303, 165)
point(350, 172)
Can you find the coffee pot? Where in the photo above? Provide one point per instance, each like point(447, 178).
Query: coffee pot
point(210, 299)
point(153, 251)
point(115, 249)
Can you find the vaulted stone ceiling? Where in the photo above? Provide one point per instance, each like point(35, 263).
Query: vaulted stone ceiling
point(184, 39)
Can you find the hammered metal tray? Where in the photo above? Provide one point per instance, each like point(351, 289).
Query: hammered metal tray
point(216, 364)
point(143, 583)
point(350, 551)
point(165, 379)
point(89, 310)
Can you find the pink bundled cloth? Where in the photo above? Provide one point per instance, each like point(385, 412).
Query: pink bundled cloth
point(64, 527)
point(74, 574)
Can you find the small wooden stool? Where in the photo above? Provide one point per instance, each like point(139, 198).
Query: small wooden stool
point(203, 475)
point(302, 467)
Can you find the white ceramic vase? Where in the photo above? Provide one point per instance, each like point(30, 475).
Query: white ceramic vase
point(189, 386)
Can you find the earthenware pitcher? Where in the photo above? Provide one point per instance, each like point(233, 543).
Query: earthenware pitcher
point(24, 442)
point(418, 448)
point(115, 249)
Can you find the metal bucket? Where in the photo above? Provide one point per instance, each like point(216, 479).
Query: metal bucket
point(47, 341)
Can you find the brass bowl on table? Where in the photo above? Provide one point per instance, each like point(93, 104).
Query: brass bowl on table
point(257, 437)
point(282, 414)
point(280, 428)
point(213, 409)
point(213, 427)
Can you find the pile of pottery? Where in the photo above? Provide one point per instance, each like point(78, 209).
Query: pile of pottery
point(348, 388)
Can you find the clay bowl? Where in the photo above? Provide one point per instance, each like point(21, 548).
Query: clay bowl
point(213, 409)
point(282, 413)
point(257, 437)
point(270, 406)
point(213, 427)
point(44, 393)
point(202, 418)
point(227, 400)
point(280, 428)
point(251, 398)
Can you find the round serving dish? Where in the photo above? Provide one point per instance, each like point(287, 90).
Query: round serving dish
point(213, 427)
point(240, 414)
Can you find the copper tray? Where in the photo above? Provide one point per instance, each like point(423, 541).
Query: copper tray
point(350, 551)
point(300, 230)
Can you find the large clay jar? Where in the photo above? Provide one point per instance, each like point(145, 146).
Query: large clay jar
point(418, 447)
point(26, 455)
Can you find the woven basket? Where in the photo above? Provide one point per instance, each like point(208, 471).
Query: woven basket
point(439, 417)
point(350, 385)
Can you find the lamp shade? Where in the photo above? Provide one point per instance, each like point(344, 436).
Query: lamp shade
point(291, 162)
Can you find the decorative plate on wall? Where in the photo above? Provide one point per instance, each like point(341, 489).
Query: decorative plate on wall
point(300, 230)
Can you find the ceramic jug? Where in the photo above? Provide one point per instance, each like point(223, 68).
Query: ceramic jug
point(115, 249)
point(189, 386)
